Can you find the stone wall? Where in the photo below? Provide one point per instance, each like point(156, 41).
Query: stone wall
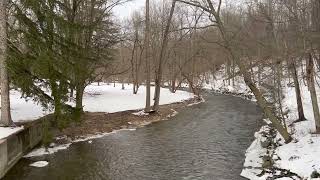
point(15, 146)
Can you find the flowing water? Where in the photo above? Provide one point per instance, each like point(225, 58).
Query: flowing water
point(206, 142)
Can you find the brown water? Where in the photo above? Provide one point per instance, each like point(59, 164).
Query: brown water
point(205, 142)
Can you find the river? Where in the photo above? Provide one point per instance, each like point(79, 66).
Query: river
point(206, 142)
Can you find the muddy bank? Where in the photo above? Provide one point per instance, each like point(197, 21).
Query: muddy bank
point(95, 123)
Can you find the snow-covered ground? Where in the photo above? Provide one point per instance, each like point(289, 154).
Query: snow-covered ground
point(106, 98)
point(301, 156)
point(220, 84)
point(103, 98)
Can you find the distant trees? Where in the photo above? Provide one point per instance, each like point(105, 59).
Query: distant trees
point(267, 41)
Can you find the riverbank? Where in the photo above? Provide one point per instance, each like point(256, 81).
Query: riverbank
point(95, 123)
point(191, 145)
point(298, 159)
point(269, 157)
point(109, 107)
point(98, 124)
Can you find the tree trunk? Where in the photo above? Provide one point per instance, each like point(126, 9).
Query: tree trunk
point(264, 105)
point(262, 102)
point(313, 93)
point(292, 68)
point(71, 93)
point(148, 68)
point(173, 85)
point(5, 90)
point(279, 91)
point(79, 98)
point(161, 58)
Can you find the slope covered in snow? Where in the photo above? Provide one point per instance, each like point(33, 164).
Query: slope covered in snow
point(301, 156)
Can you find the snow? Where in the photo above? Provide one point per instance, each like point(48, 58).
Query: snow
point(219, 84)
point(109, 99)
point(7, 131)
point(301, 156)
point(174, 113)
point(103, 98)
point(140, 113)
point(106, 98)
point(199, 102)
point(24, 109)
point(252, 164)
point(39, 164)
point(44, 151)
point(51, 150)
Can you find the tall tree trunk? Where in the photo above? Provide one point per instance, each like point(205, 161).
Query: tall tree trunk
point(313, 93)
point(147, 57)
point(293, 70)
point(5, 90)
point(279, 91)
point(161, 59)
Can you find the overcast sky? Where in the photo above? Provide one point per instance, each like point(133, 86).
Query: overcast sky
point(125, 10)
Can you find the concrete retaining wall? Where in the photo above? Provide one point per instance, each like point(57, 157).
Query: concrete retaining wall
point(15, 146)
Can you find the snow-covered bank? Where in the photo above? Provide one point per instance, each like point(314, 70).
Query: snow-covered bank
point(220, 85)
point(296, 160)
point(116, 102)
point(55, 148)
point(301, 156)
point(103, 98)
point(107, 98)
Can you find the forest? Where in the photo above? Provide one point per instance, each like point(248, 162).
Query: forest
point(53, 51)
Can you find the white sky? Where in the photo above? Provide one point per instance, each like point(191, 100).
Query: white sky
point(125, 10)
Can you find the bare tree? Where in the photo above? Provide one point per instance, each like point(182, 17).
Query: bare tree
point(313, 94)
point(227, 38)
point(161, 59)
point(146, 47)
